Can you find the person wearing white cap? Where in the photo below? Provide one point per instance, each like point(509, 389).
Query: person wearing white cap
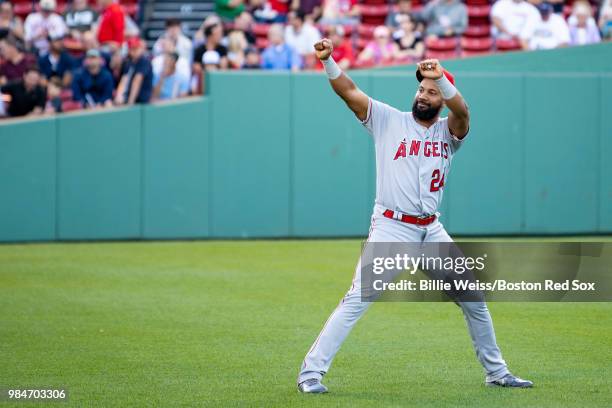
point(381, 49)
point(42, 24)
point(582, 26)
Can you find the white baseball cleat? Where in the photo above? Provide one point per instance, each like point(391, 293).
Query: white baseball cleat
point(510, 381)
point(312, 386)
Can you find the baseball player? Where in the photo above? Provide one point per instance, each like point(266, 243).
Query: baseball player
point(413, 156)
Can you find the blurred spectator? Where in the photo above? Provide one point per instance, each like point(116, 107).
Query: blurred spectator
point(170, 83)
point(173, 33)
point(344, 12)
point(111, 30)
point(252, 59)
point(42, 24)
point(514, 19)
point(136, 83)
point(444, 18)
point(310, 8)
point(550, 32)
point(343, 50)
point(26, 94)
point(395, 17)
point(199, 37)
point(89, 41)
point(10, 24)
point(605, 19)
point(270, 11)
point(15, 62)
point(279, 55)
point(93, 83)
point(115, 65)
point(229, 9)
point(381, 50)
point(583, 29)
point(409, 41)
point(57, 63)
point(301, 36)
point(244, 24)
point(54, 98)
point(183, 65)
point(236, 49)
point(213, 34)
point(80, 18)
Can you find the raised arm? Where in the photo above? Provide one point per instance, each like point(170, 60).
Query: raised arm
point(342, 84)
point(459, 115)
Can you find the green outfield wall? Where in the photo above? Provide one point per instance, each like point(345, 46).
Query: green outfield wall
point(279, 155)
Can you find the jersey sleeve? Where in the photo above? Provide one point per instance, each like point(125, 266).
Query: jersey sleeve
point(377, 118)
point(453, 140)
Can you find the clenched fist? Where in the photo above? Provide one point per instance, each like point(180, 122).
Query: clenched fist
point(323, 49)
point(430, 68)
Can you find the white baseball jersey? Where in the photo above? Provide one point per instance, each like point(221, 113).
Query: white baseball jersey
point(412, 161)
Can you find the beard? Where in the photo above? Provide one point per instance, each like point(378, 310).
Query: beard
point(427, 113)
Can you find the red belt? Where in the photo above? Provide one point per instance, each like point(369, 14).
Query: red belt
point(410, 219)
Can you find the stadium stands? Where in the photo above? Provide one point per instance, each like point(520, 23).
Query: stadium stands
point(152, 16)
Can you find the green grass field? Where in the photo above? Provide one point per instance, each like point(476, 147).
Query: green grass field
point(228, 323)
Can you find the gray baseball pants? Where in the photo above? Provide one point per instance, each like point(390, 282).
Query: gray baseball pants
point(351, 308)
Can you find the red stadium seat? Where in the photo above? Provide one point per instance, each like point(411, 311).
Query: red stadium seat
point(261, 30)
point(476, 44)
point(416, 8)
point(373, 14)
point(478, 31)
point(348, 30)
point(479, 11)
point(71, 106)
point(364, 64)
point(507, 44)
point(441, 55)
point(441, 44)
point(23, 9)
point(66, 95)
point(479, 21)
point(467, 53)
point(73, 44)
point(366, 31)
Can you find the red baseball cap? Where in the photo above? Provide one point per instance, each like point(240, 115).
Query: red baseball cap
point(448, 75)
point(134, 42)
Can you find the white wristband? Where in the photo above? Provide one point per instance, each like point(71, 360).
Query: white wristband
point(332, 69)
point(447, 89)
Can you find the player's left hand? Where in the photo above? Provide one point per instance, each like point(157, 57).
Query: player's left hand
point(431, 68)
